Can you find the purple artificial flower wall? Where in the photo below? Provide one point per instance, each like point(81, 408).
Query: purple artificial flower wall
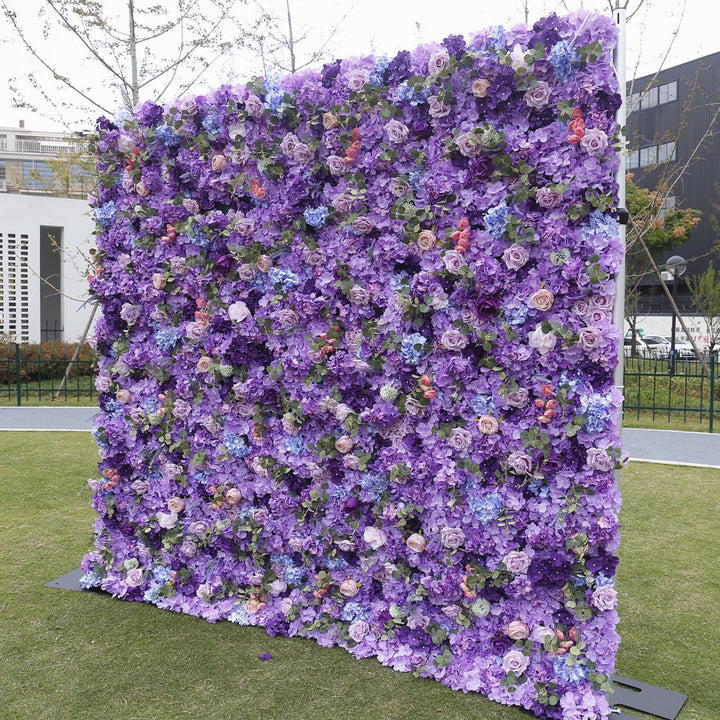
point(356, 360)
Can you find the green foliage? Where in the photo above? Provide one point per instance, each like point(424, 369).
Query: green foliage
point(705, 292)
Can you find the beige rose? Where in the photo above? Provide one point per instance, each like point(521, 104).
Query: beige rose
point(141, 189)
point(176, 504)
point(218, 163)
point(349, 588)
point(426, 240)
point(543, 299)
point(122, 396)
point(344, 444)
point(330, 121)
point(517, 630)
point(233, 496)
point(416, 542)
point(263, 263)
point(158, 281)
point(480, 87)
point(488, 425)
point(204, 364)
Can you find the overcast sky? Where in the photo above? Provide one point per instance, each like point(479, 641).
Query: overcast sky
point(386, 26)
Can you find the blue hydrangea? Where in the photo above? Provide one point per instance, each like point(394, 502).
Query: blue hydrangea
point(570, 673)
point(239, 615)
point(487, 507)
point(496, 40)
point(564, 60)
point(90, 580)
point(316, 217)
point(496, 220)
point(167, 339)
point(285, 278)
point(377, 76)
point(339, 492)
point(294, 575)
point(197, 236)
point(150, 404)
point(213, 125)
point(161, 574)
point(397, 280)
point(336, 563)
point(483, 404)
point(596, 409)
point(538, 488)
point(602, 581)
point(573, 381)
point(113, 408)
point(105, 214)
point(603, 224)
point(151, 595)
point(414, 96)
point(236, 445)
point(295, 445)
point(375, 485)
point(517, 315)
point(285, 560)
point(273, 95)
point(412, 348)
point(104, 444)
point(168, 136)
point(414, 179)
point(354, 611)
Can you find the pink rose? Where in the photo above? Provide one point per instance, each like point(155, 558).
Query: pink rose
point(142, 189)
point(438, 61)
point(374, 537)
point(349, 588)
point(452, 537)
point(517, 630)
point(254, 106)
point(233, 497)
point(517, 562)
point(426, 240)
point(218, 163)
point(468, 144)
point(396, 131)
point(542, 299)
point(263, 263)
point(204, 364)
point(176, 504)
point(158, 281)
point(538, 96)
point(123, 396)
point(515, 257)
point(594, 142)
point(548, 198)
point(488, 425)
point(604, 598)
point(238, 311)
point(453, 339)
point(437, 108)
point(515, 662)
point(480, 87)
point(302, 154)
point(543, 342)
point(330, 121)
point(344, 444)
point(416, 542)
point(336, 165)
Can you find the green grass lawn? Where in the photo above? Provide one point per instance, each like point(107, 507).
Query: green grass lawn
point(70, 655)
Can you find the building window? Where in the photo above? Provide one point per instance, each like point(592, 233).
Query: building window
point(667, 205)
point(3, 173)
point(667, 93)
point(666, 152)
point(654, 96)
point(648, 156)
point(652, 155)
point(649, 99)
point(633, 159)
point(37, 175)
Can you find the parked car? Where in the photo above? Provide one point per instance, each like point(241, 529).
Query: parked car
point(641, 349)
point(683, 349)
point(658, 345)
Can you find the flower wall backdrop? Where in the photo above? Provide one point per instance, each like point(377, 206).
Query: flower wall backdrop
point(356, 360)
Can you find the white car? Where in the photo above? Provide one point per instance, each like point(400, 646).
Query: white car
point(658, 345)
point(683, 349)
point(641, 349)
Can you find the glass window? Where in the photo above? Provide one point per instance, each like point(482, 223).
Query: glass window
point(649, 99)
point(666, 152)
point(37, 175)
point(3, 171)
point(633, 159)
point(668, 92)
point(648, 156)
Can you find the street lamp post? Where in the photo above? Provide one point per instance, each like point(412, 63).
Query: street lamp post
point(676, 267)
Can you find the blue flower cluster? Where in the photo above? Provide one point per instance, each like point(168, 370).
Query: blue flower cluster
point(166, 339)
point(295, 445)
point(373, 484)
point(415, 96)
point(90, 580)
point(213, 125)
point(517, 315)
point(236, 445)
point(486, 508)
point(286, 279)
point(596, 409)
point(354, 611)
point(564, 59)
point(161, 574)
point(570, 673)
point(377, 76)
point(167, 135)
point(105, 214)
point(273, 95)
point(412, 348)
point(539, 488)
point(239, 615)
point(603, 224)
point(496, 220)
point(316, 217)
point(483, 405)
point(294, 575)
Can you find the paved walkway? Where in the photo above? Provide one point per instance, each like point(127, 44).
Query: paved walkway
point(662, 446)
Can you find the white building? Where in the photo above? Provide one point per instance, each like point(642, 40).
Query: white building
point(44, 240)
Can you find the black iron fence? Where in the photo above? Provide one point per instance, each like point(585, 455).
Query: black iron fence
point(690, 393)
point(46, 372)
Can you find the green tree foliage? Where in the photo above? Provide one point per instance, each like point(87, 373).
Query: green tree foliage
point(705, 292)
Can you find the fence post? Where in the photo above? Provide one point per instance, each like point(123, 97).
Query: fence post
point(18, 386)
point(712, 390)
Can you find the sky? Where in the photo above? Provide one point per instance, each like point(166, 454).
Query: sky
point(679, 28)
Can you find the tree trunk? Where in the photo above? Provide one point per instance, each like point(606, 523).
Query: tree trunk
point(132, 51)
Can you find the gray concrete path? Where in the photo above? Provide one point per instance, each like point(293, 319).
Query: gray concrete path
point(663, 446)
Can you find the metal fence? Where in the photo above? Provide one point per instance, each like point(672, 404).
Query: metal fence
point(45, 372)
point(689, 393)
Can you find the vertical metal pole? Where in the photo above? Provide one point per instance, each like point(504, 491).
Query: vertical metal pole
point(18, 389)
point(672, 327)
point(712, 389)
point(621, 117)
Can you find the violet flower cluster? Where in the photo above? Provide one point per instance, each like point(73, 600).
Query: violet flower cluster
point(356, 355)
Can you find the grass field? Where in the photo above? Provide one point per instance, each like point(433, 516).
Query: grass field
point(71, 656)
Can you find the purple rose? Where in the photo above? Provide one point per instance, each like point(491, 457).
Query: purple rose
point(604, 598)
point(254, 106)
point(515, 257)
point(302, 154)
point(396, 131)
point(437, 108)
point(357, 79)
point(453, 339)
point(548, 198)
point(515, 662)
point(438, 61)
point(468, 144)
point(589, 338)
point(181, 409)
point(594, 142)
point(358, 630)
point(517, 562)
point(543, 342)
point(363, 225)
point(288, 144)
point(336, 165)
point(538, 96)
point(359, 296)
point(452, 537)
point(520, 463)
point(598, 459)
point(518, 398)
point(454, 261)
point(134, 578)
point(460, 439)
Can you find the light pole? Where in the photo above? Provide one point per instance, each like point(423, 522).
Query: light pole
point(676, 267)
